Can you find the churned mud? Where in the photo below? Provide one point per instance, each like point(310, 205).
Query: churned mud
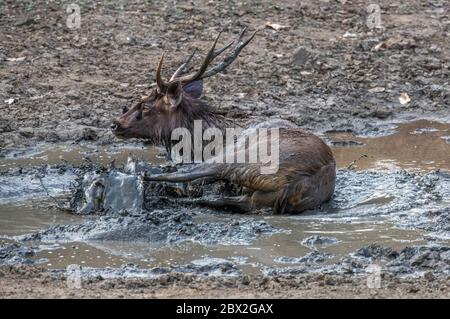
point(29, 282)
point(60, 215)
point(73, 204)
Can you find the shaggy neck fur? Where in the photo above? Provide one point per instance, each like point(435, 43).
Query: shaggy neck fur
point(189, 110)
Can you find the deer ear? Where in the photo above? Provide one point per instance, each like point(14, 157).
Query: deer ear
point(174, 94)
point(194, 89)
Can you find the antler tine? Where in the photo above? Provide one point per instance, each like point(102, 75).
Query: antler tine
point(231, 57)
point(215, 54)
point(241, 35)
point(219, 51)
point(159, 81)
point(209, 57)
point(183, 66)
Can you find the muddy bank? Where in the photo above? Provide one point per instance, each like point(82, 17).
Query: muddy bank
point(414, 261)
point(35, 282)
point(324, 69)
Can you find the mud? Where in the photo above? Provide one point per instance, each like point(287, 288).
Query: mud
point(159, 234)
point(35, 282)
point(77, 154)
point(113, 218)
point(20, 184)
point(157, 228)
point(70, 195)
point(418, 145)
point(399, 208)
point(206, 267)
point(66, 85)
point(14, 254)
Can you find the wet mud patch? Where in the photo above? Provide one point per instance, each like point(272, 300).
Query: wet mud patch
point(158, 228)
point(397, 209)
point(21, 184)
point(418, 145)
point(99, 214)
point(413, 261)
point(206, 266)
point(78, 154)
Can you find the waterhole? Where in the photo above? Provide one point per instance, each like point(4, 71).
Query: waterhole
point(421, 145)
point(375, 202)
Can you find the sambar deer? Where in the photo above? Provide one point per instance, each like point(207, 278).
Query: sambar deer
point(306, 173)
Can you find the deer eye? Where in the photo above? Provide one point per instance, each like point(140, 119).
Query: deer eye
point(124, 109)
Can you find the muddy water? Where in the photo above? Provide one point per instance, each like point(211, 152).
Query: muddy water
point(249, 258)
point(33, 215)
point(77, 154)
point(421, 145)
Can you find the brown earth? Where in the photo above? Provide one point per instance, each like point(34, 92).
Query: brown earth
point(323, 69)
point(33, 282)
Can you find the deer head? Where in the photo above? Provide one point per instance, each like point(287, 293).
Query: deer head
point(175, 103)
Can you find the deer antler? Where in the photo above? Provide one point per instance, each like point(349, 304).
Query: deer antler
point(202, 73)
point(159, 81)
point(182, 66)
point(212, 54)
point(231, 57)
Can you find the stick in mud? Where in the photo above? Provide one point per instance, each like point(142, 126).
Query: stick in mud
point(350, 166)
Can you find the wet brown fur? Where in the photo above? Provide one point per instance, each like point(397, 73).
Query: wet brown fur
point(306, 175)
point(305, 178)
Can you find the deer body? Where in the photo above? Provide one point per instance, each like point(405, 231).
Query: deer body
point(305, 178)
point(307, 171)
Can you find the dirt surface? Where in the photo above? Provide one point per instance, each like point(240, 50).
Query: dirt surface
point(30, 282)
point(324, 69)
point(315, 63)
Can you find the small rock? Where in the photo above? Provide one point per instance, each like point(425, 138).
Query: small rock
point(24, 22)
point(377, 89)
point(349, 35)
point(301, 56)
point(319, 240)
point(413, 290)
point(404, 99)
point(9, 101)
point(26, 132)
point(429, 276)
point(245, 280)
point(124, 39)
point(276, 26)
point(19, 59)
